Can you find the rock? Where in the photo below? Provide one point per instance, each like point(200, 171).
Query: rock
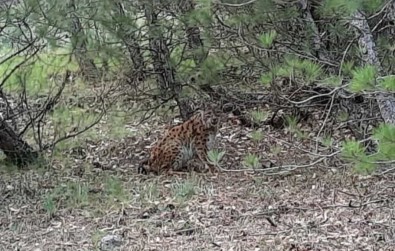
point(110, 242)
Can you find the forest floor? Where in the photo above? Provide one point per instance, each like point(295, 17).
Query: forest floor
point(74, 204)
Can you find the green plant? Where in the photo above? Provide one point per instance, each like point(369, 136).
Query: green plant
point(334, 81)
point(97, 235)
point(363, 78)
point(311, 71)
point(347, 68)
point(115, 189)
point(149, 192)
point(275, 149)
point(49, 205)
point(292, 123)
point(293, 127)
point(215, 156)
point(256, 136)
point(210, 68)
point(355, 153)
point(347, 8)
point(268, 38)
point(36, 78)
point(385, 135)
point(258, 116)
point(342, 116)
point(184, 190)
point(327, 141)
point(251, 161)
point(78, 193)
point(387, 83)
point(267, 78)
point(116, 129)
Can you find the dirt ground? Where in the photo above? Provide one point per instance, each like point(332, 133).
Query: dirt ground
point(73, 205)
point(311, 210)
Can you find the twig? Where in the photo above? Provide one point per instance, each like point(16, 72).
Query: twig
point(72, 135)
point(289, 167)
point(298, 148)
point(385, 6)
point(387, 171)
point(16, 53)
point(237, 5)
point(344, 56)
point(316, 96)
point(7, 76)
point(325, 120)
point(280, 210)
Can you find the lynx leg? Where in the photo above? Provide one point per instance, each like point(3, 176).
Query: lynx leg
point(195, 165)
point(201, 151)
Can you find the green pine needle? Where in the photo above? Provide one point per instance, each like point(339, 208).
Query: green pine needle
point(364, 78)
point(268, 38)
point(388, 83)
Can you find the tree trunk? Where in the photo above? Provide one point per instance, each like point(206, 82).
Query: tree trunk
point(136, 72)
point(86, 64)
point(192, 32)
point(385, 101)
point(391, 17)
point(318, 45)
point(17, 151)
point(195, 44)
point(169, 87)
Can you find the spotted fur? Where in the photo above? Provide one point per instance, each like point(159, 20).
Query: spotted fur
point(183, 145)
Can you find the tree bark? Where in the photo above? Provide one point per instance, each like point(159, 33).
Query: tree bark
point(129, 39)
point(17, 151)
point(169, 87)
point(86, 64)
point(391, 17)
point(385, 101)
point(318, 45)
point(192, 32)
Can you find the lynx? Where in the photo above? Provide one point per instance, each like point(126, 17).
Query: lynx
point(183, 145)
